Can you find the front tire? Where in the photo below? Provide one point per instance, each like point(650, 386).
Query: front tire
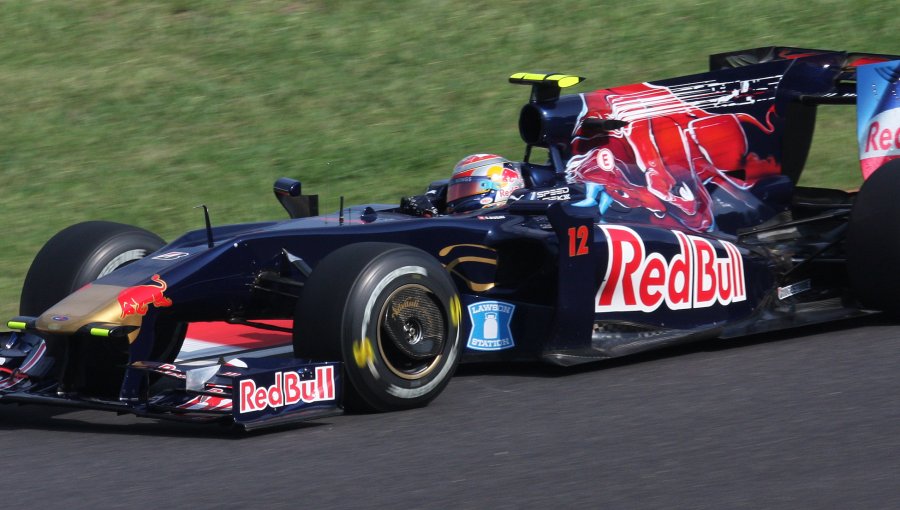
point(79, 255)
point(391, 314)
point(75, 257)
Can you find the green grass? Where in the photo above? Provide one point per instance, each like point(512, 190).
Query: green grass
point(138, 111)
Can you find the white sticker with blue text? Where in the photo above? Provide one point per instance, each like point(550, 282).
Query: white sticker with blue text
point(490, 326)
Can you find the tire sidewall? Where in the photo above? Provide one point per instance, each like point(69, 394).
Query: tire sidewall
point(363, 357)
point(110, 256)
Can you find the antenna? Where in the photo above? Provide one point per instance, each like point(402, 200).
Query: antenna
point(209, 236)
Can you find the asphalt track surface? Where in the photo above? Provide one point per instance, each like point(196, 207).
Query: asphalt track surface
point(806, 419)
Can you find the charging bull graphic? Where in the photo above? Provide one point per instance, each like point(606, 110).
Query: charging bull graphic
point(657, 151)
point(137, 300)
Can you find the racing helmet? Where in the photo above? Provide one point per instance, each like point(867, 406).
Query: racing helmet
point(482, 180)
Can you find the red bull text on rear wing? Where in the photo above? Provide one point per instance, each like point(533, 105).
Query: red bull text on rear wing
point(878, 114)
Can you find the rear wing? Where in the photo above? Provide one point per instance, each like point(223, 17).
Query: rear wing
point(871, 81)
point(741, 58)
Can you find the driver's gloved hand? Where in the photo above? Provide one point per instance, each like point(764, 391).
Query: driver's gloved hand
point(418, 205)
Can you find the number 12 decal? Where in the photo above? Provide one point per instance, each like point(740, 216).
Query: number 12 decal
point(578, 240)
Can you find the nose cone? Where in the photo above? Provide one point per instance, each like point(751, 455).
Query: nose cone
point(91, 304)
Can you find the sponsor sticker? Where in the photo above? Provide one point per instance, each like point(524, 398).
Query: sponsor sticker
point(701, 274)
point(878, 114)
point(794, 289)
point(172, 255)
point(491, 326)
point(553, 194)
point(606, 160)
point(289, 389)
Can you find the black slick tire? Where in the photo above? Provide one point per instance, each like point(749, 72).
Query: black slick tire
point(873, 240)
point(391, 314)
point(79, 255)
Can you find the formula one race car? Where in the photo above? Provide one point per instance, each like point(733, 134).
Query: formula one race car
point(664, 212)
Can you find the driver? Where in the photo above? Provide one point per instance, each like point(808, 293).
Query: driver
point(478, 181)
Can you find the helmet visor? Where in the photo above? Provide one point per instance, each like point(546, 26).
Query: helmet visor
point(463, 187)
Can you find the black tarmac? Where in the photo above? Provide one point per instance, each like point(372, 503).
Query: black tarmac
point(804, 419)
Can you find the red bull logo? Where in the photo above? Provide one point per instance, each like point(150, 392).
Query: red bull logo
point(878, 114)
point(288, 389)
point(137, 300)
point(883, 138)
point(695, 277)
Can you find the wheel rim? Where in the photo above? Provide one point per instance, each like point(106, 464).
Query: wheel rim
point(412, 329)
point(122, 260)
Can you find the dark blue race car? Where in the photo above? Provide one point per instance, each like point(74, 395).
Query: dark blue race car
point(656, 213)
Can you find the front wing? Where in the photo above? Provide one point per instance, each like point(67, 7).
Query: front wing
point(250, 392)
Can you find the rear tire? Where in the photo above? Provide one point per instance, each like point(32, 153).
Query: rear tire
point(873, 240)
point(391, 314)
